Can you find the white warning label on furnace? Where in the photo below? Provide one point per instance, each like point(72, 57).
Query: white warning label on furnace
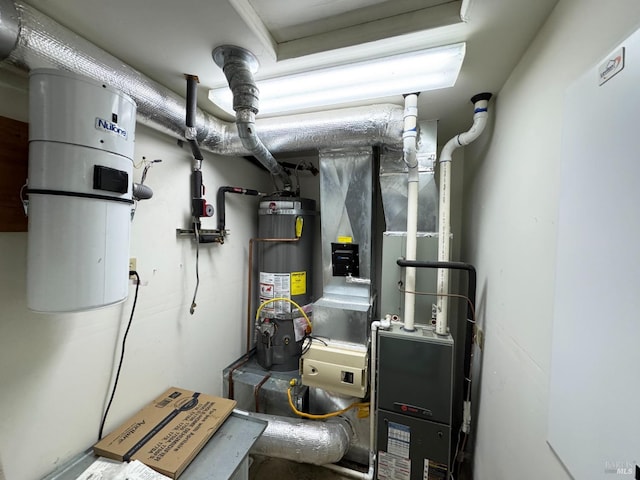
point(275, 285)
point(398, 439)
point(391, 467)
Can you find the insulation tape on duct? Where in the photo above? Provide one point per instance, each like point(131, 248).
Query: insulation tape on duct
point(9, 28)
point(306, 441)
point(41, 42)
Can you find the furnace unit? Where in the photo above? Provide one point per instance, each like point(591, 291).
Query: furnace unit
point(415, 387)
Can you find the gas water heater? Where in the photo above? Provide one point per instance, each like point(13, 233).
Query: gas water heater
point(285, 254)
point(81, 139)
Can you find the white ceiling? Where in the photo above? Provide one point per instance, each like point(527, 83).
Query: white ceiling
point(306, 18)
point(166, 38)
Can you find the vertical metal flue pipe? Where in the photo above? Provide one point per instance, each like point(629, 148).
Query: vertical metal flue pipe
point(238, 66)
point(480, 115)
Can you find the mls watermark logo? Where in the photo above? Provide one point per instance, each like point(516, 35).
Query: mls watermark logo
point(623, 468)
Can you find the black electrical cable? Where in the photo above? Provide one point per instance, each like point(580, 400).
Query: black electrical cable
point(147, 167)
point(196, 232)
point(308, 340)
point(124, 340)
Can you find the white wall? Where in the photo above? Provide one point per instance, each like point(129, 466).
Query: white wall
point(55, 370)
point(512, 181)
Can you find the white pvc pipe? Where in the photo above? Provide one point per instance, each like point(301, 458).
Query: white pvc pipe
point(348, 472)
point(444, 232)
point(409, 151)
point(372, 397)
point(384, 324)
point(480, 115)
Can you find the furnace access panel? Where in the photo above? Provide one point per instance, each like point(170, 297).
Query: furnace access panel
point(415, 381)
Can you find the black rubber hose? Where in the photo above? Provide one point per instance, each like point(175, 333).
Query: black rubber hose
point(471, 294)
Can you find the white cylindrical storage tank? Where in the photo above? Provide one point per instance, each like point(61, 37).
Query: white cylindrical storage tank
point(81, 139)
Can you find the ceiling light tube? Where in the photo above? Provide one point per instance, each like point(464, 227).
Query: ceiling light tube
point(417, 71)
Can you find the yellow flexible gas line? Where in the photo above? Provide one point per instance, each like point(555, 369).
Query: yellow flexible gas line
point(324, 415)
point(271, 300)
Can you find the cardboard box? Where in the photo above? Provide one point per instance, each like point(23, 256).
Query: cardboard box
point(167, 434)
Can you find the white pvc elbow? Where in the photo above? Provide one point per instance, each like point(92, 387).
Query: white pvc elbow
point(480, 114)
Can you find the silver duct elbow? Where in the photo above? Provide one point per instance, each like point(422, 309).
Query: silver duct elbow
point(305, 441)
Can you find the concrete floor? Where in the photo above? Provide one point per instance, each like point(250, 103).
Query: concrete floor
point(278, 469)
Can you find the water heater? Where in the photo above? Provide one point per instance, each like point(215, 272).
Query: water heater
point(286, 231)
point(81, 139)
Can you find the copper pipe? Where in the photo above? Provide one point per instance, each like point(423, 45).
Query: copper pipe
point(236, 366)
point(250, 288)
point(256, 390)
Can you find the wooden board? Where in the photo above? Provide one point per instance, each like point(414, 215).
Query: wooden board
point(14, 157)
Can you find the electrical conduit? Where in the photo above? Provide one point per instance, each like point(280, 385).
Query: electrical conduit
point(480, 115)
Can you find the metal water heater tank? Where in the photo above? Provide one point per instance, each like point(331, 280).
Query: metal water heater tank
point(285, 259)
point(81, 139)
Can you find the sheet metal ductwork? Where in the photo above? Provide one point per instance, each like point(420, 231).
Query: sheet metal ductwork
point(29, 39)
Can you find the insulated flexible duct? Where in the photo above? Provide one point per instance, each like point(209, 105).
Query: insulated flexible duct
point(29, 39)
point(9, 27)
point(305, 441)
point(142, 192)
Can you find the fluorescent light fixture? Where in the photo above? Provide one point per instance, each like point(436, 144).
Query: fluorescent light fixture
point(411, 72)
